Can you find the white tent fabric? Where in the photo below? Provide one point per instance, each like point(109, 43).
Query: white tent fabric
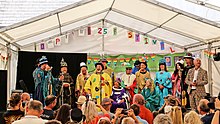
point(175, 27)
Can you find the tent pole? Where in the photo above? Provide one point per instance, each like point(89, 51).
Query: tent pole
point(103, 40)
point(8, 62)
point(210, 70)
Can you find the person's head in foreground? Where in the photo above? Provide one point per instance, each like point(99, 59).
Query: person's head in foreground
point(192, 118)
point(163, 119)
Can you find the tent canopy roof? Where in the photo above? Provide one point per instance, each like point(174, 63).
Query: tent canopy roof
point(144, 16)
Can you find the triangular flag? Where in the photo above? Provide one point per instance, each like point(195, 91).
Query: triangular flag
point(50, 44)
point(67, 38)
point(137, 37)
point(81, 32)
point(42, 46)
point(154, 41)
point(162, 45)
point(57, 41)
point(89, 30)
point(130, 34)
point(115, 31)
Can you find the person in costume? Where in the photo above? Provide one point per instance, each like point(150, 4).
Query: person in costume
point(99, 84)
point(41, 80)
point(141, 75)
point(82, 78)
point(151, 95)
point(37, 68)
point(177, 79)
point(118, 96)
point(66, 88)
point(188, 58)
point(108, 70)
point(163, 81)
point(129, 81)
point(137, 65)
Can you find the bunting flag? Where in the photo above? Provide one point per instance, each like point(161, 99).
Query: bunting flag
point(57, 41)
point(122, 60)
point(115, 61)
point(89, 59)
point(137, 37)
point(89, 30)
point(154, 41)
point(67, 38)
point(153, 56)
point(162, 45)
point(42, 46)
point(109, 61)
point(127, 60)
point(133, 59)
point(130, 34)
point(146, 58)
point(50, 44)
point(140, 58)
point(95, 60)
point(146, 39)
point(115, 31)
point(81, 32)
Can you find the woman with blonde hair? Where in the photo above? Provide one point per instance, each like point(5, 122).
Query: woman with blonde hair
point(91, 112)
point(176, 115)
point(192, 118)
point(151, 95)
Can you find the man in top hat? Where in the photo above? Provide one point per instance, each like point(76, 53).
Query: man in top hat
point(82, 78)
point(107, 70)
point(141, 75)
point(66, 82)
point(41, 80)
point(129, 80)
point(196, 79)
point(99, 84)
point(189, 64)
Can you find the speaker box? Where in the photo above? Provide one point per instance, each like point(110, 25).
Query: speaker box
point(3, 91)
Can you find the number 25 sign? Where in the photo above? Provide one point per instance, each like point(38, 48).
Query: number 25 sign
point(102, 31)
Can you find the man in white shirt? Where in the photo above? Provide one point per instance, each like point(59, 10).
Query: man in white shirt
point(34, 110)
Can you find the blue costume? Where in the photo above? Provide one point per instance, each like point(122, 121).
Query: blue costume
point(152, 98)
point(163, 78)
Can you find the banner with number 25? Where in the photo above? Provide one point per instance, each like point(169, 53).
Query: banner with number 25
point(102, 31)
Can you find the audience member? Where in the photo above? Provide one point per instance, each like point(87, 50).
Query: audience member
point(33, 111)
point(90, 111)
point(50, 103)
point(14, 113)
point(136, 110)
point(104, 120)
point(53, 122)
point(144, 112)
point(192, 118)
point(106, 104)
point(81, 100)
point(215, 119)
point(163, 119)
point(204, 111)
point(63, 114)
point(76, 116)
point(176, 115)
point(128, 120)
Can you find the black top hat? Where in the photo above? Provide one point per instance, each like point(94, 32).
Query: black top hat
point(104, 60)
point(76, 115)
point(99, 63)
point(137, 62)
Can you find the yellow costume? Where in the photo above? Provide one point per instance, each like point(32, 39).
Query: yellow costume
point(99, 82)
point(81, 81)
point(140, 78)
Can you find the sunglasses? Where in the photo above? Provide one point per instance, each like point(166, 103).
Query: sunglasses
point(128, 68)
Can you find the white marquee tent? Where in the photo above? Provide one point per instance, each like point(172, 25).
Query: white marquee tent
point(179, 29)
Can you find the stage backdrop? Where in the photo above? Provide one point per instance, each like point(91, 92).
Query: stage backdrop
point(27, 61)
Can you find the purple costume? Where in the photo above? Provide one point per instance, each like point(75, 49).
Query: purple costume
point(117, 95)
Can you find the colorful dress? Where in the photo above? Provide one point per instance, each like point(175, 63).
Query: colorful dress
point(100, 86)
point(152, 98)
point(117, 95)
point(163, 78)
point(176, 86)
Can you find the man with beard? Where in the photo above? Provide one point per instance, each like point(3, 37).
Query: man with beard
point(189, 65)
point(99, 84)
point(67, 85)
point(81, 79)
